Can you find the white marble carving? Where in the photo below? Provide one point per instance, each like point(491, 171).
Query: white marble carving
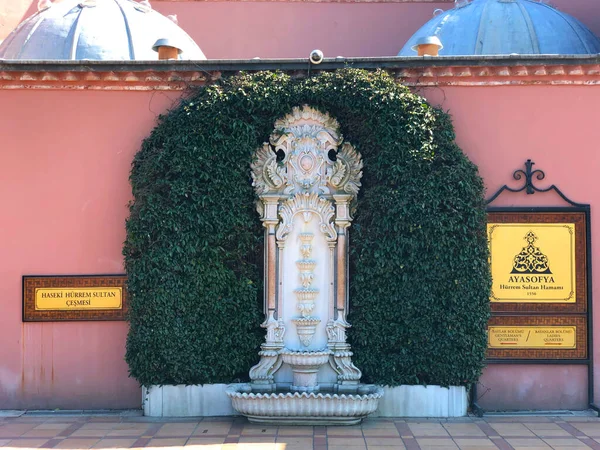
point(347, 170)
point(341, 357)
point(306, 326)
point(305, 366)
point(307, 179)
point(308, 205)
point(270, 360)
point(317, 408)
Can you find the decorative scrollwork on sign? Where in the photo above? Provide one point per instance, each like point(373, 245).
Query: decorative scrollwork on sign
point(307, 204)
point(529, 187)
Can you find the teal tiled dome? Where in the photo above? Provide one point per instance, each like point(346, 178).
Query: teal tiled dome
point(504, 27)
point(95, 30)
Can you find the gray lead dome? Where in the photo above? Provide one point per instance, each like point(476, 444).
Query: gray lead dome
point(95, 30)
point(504, 27)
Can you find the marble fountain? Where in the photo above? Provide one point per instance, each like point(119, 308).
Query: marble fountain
point(306, 179)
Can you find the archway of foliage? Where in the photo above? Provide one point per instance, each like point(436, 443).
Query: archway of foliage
point(419, 276)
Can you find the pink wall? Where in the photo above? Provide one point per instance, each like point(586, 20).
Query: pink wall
point(65, 160)
point(12, 12)
point(499, 128)
point(533, 387)
point(291, 30)
point(245, 29)
point(64, 167)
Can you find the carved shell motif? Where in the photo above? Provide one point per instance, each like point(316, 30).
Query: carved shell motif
point(307, 204)
point(267, 175)
point(305, 138)
point(347, 170)
point(308, 121)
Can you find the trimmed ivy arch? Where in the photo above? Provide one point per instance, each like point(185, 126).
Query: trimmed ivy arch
point(419, 283)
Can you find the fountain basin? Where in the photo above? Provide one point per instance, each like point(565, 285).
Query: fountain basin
point(305, 360)
point(305, 366)
point(304, 408)
point(306, 328)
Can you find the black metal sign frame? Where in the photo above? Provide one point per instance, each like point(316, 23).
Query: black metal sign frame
point(529, 176)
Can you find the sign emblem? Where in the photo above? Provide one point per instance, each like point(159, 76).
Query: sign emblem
point(531, 260)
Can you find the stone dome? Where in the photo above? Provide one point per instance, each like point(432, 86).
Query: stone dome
point(504, 27)
point(95, 30)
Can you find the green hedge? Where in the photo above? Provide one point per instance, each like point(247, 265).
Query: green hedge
point(419, 283)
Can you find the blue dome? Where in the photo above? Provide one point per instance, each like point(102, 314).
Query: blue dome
point(95, 30)
point(504, 27)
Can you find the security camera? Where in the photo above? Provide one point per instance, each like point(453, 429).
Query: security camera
point(316, 57)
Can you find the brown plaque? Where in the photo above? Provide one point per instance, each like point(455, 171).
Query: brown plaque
point(67, 298)
point(537, 337)
point(538, 262)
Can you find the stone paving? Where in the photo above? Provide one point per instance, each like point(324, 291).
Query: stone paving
point(470, 433)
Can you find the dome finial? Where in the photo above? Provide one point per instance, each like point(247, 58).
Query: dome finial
point(167, 49)
point(428, 46)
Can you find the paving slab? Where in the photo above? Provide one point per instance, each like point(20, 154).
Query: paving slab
point(233, 433)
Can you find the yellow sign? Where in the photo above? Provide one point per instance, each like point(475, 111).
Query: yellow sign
point(78, 298)
point(532, 337)
point(532, 262)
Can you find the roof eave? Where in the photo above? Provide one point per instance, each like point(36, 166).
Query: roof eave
point(392, 62)
point(411, 71)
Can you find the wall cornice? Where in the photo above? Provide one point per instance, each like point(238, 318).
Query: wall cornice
point(414, 72)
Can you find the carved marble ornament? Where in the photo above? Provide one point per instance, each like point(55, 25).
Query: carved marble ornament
point(307, 177)
point(306, 153)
